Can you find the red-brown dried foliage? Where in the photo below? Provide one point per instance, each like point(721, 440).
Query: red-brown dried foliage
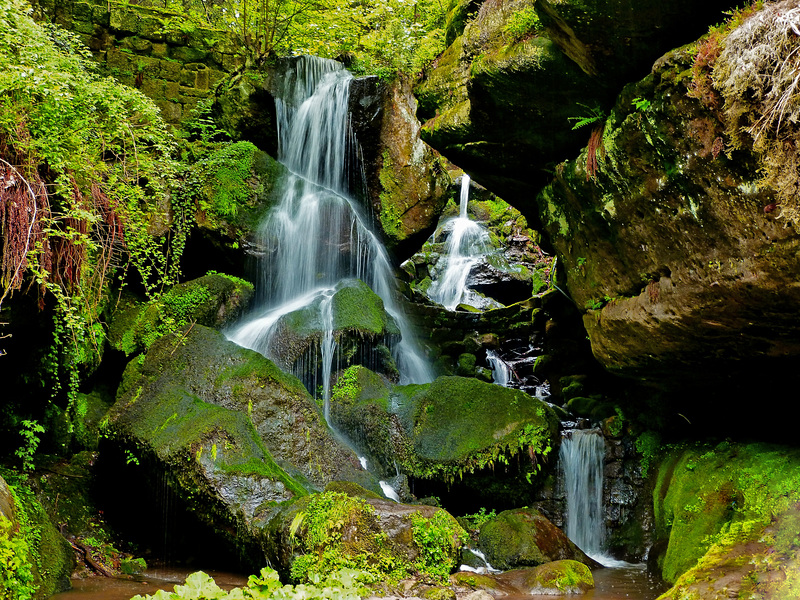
point(24, 209)
point(595, 144)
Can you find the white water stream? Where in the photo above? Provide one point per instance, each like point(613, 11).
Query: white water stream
point(581, 459)
point(466, 244)
point(317, 235)
point(501, 371)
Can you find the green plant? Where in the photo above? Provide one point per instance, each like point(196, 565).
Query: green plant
point(648, 444)
point(439, 539)
point(16, 578)
point(30, 432)
point(478, 519)
point(522, 23)
point(346, 388)
point(641, 104)
point(344, 584)
point(596, 115)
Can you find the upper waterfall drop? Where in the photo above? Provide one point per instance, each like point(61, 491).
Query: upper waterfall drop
point(466, 244)
point(316, 237)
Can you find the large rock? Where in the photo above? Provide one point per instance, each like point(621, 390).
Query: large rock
point(214, 300)
point(360, 327)
point(407, 181)
point(334, 530)
point(728, 519)
point(498, 100)
point(238, 436)
point(671, 246)
point(454, 429)
point(525, 538)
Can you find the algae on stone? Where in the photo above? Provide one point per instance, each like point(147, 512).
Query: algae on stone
point(731, 509)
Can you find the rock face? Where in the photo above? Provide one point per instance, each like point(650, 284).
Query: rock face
point(671, 246)
point(525, 538)
point(142, 47)
point(406, 180)
point(238, 436)
point(499, 101)
point(727, 517)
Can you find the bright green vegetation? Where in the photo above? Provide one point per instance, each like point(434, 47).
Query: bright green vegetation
point(33, 555)
point(344, 584)
point(438, 539)
point(136, 326)
point(88, 203)
point(380, 37)
point(522, 23)
point(231, 185)
point(728, 508)
point(323, 529)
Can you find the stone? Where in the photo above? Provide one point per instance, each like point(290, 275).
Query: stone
point(524, 537)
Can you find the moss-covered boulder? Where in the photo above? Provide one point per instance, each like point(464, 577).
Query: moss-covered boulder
point(458, 425)
point(452, 431)
point(499, 100)
point(36, 560)
point(524, 537)
point(233, 189)
point(560, 578)
point(213, 300)
point(360, 406)
point(238, 436)
point(361, 328)
point(729, 518)
point(672, 243)
point(332, 530)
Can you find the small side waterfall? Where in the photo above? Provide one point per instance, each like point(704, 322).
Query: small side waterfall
point(501, 370)
point(581, 459)
point(467, 243)
point(317, 236)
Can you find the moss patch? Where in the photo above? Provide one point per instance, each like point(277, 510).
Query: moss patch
point(459, 424)
point(729, 509)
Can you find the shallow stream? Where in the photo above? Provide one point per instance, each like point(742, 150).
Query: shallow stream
point(629, 583)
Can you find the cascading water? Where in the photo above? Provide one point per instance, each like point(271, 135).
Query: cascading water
point(501, 371)
point(581, 459)
point(467, 243)
point(316, 236)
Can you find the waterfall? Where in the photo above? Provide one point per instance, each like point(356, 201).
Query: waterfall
point(501, 371)
point(317, 235)
point(467, 243)
point(581, 459)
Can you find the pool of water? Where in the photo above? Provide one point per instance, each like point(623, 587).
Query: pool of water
point(105, 588)
point(630, 582)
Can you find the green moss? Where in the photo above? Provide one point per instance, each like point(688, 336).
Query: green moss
point(713, 499)
point(460, 424)
point(566, 576)
point(213, 300)
point(357, 308)
point(35, 560)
